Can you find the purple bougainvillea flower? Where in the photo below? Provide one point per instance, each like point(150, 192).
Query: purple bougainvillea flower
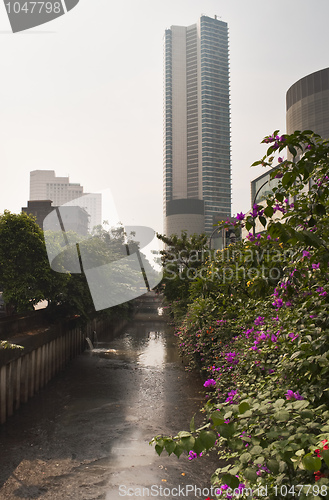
point(210, 383)
point(240, 216)
point(277, 303)
point(289, 394)
point(193, 455)
point(306, 254)
point(316, 266)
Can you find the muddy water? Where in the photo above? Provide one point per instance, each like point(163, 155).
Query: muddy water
point(86, 435)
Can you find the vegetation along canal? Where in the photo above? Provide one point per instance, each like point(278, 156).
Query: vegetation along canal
point(86, 435)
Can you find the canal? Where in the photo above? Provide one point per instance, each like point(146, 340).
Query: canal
point(86, 435)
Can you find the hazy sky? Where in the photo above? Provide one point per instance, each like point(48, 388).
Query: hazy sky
point(83, 95)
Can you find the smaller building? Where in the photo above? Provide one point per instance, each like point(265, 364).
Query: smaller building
point(39, 209)
point(73, 218)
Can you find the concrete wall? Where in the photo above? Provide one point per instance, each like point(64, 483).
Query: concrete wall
point(24, 372)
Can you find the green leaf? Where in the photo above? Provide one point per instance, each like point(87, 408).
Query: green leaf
point(198, 446)
point(226, 430)
point(243, 407)
point(311, 463)
point(232, 481)
point(325, 455)
point(208, 439)
point(188, 442)
point(217, 418)
point(292, 150)
point(282, 416)
point(245, 458)
point(170, 446)
point(286, 179)
point(273, 465)
point(263, 221)
point(268, 211)
point(158, 449)
point(320, 209)
point(256, 450)
point(179, 448)
point(307, 414)
point(192, 424)
point(279, 402)
point(250, 474)
point(183, 434)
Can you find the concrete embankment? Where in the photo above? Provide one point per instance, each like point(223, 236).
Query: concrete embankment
point(47, 350)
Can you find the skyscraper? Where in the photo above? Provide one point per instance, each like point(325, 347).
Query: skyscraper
point(197, 164)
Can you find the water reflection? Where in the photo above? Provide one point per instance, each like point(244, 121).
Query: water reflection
point(154, 352)
point(146, 347)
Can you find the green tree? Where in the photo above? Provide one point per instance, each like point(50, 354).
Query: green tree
point(25, 274)
point(182, 258)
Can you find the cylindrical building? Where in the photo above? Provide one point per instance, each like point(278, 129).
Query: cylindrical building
point(308, 104)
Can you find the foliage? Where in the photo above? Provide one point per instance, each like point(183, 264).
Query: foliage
point(181, 259)
point(4, 344)
point(257, 326)
point(27, 278)
point(25, 275)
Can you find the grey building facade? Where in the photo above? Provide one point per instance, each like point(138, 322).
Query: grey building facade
point(197, 154)
point(308, 104)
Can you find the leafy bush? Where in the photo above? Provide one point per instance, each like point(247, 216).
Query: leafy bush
point(257, 326)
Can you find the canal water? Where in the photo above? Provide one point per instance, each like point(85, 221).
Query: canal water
point(86, 435)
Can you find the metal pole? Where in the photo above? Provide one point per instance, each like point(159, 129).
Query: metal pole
point(254, 229)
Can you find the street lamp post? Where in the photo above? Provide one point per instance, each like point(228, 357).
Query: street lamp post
point(212, 234)
point(254, 202)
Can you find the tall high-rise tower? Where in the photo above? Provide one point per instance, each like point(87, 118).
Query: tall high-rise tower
point(197, 164)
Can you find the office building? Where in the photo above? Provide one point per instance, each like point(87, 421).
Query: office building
point(307, 103)
point(197, 163)
point(44, 185)
point(74, 218)
point(307, 108)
